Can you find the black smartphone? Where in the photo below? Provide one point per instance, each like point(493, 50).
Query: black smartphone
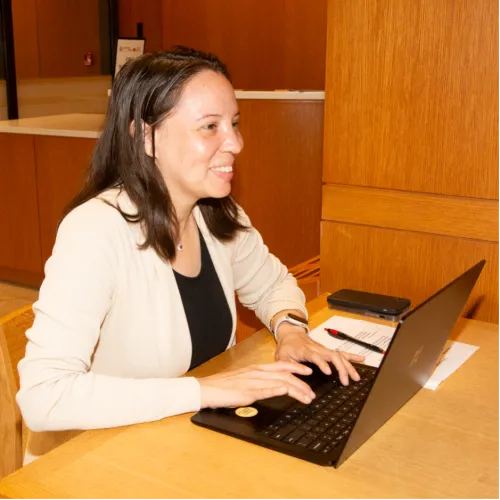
point(369, 304)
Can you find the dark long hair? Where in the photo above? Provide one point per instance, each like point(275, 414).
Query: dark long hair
point(146, 90)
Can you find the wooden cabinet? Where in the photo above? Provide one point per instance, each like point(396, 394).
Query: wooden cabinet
point(38, 177)
point(61, 164)
point(20, 255)
point(278, 174)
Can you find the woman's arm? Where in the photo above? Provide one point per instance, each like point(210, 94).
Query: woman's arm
point(264, 284)
point(58, 390)
point(261, 281)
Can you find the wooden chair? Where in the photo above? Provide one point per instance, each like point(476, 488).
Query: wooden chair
point(307, 276)
point(12, 347)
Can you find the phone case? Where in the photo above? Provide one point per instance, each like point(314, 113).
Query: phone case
point(384, 306)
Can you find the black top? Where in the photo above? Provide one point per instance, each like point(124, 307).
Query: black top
point(207, 312)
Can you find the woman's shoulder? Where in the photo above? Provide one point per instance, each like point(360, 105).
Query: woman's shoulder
point(99, 214)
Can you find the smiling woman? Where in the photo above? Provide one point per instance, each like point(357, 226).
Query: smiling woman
point(141, 284)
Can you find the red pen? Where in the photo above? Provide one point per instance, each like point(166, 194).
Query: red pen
point(354, 340)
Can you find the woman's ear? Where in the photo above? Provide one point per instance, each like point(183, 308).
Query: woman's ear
point(147, 134)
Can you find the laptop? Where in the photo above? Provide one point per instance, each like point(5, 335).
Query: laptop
point(340, 419)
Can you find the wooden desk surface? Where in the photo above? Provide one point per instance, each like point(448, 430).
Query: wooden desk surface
point(442, 444)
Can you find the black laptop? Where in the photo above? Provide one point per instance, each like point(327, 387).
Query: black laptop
point(340, 419)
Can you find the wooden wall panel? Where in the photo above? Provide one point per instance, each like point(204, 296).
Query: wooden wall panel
point(20, 233)
point(412, 95)
point(278, 175)
point(66, 31)
point(60, 96)
point(61, 165)
point(437, 214)
point(409, 264)
point(269, 45)
point(131, 12)
point(24, 18)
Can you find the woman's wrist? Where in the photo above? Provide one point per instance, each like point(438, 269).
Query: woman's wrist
point(283, 329)
point(287, 330)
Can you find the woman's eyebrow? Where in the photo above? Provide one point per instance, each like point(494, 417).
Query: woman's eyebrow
point(209, 115)
point(215, 115)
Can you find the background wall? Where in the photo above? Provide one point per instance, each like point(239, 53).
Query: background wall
point(277, 44)
point(269, 45)
point(411, 147)
point(148, 13)
point(51, 37)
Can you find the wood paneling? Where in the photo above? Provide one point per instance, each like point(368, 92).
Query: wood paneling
point(131, 12)
point(269, 45)
point(24, 18)
point(20, 233)
point(61, 164)
point(437, 214)
point(406, 264)
point(412, 108)
point(278, 175)
point(412, 95)
point(21, 277)
point(60, 96)
point(66, 31)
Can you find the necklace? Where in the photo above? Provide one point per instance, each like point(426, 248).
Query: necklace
point(180, 246)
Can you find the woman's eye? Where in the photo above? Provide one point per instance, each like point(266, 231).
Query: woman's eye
point(236, 124)
point(210, 126)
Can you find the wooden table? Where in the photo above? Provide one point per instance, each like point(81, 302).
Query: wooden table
point(443, 443)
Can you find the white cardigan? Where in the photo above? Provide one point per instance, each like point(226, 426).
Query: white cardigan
point(110, 340)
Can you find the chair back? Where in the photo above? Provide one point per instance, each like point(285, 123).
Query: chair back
point(12, 348)
point(307, 275)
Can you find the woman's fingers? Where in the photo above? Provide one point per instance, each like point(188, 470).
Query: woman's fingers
point(269, 392)
point(321, 361)
point(249, 384)
point(289, 366)
point(344, 368)
point(294, 385)
point(357, 358)
point(267, 388)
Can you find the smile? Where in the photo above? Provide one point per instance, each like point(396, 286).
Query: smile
point(228, 168)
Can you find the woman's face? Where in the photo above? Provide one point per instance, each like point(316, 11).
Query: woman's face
point(197, 144)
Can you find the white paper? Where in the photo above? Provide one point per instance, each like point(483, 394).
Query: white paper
point(454, 354)
point(379, 335)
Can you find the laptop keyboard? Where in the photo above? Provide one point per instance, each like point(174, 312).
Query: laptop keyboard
point(326, 422)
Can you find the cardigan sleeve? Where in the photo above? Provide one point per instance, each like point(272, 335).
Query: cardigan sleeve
point(262, 282)
point(58, 389)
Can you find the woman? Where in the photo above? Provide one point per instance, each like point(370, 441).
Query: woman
point(140, 286)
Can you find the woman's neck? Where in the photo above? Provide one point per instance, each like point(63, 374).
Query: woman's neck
point(183, 214)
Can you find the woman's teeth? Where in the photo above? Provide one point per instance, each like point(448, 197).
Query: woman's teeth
point(223, 169)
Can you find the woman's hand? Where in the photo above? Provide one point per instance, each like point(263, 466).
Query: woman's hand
point(246, 385)
point(295, 345)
